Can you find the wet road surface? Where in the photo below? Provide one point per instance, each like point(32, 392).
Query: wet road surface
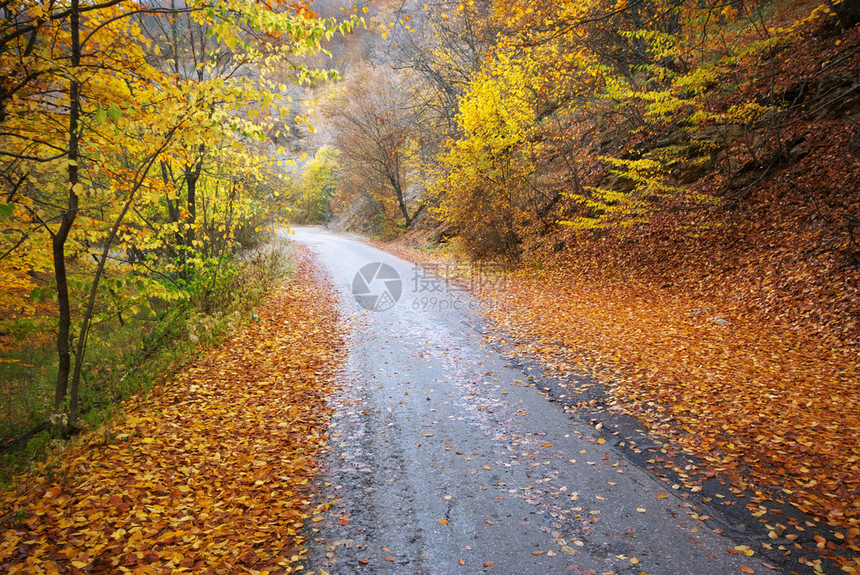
point(446, 459)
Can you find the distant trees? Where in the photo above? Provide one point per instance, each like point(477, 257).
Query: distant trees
point(318, 185)
point(444, 44)
point(378, 131)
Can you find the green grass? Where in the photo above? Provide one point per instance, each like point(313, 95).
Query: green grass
point(27, 387)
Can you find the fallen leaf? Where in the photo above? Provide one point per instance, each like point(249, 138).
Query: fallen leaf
point(255, 406)
point(745, 549)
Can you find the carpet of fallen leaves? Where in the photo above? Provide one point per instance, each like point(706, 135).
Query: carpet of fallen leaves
point(210, 473)
point(775, 412)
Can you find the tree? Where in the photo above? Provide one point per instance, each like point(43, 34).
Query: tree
point(376, 131)
point(444, 43)
point(318, 185)
point(488, 168)
point(90, 116)
point(590, 114)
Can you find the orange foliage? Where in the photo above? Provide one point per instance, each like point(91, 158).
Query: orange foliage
point(210, 474)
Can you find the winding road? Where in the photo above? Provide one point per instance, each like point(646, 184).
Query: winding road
point(447, 459)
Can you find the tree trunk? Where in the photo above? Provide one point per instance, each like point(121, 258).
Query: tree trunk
point(173, 212)
point(91, 300)
point(398, 193)
point(65, 315)
point(59, 240)
point(848, 13)
point(192, 176)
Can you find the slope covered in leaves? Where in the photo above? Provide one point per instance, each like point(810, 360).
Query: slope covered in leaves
point(209, 474)
point(772, 410)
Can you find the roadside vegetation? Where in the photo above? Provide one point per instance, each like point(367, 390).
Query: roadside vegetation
point(208, 473)
point(130, 358)
point(142, 154)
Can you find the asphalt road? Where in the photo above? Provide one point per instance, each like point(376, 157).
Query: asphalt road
point(447, 459)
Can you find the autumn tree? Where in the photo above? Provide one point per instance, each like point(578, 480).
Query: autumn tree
point(444, 43)
point(221, 75)
point(319, 182)
point(91, 125)
point(599, 115)
point(46, 145)
point(376, 132)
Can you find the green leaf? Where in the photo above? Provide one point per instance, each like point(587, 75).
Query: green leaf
point(6, 211)
point(41, 294)
point(114, 112)
point(100, 116)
